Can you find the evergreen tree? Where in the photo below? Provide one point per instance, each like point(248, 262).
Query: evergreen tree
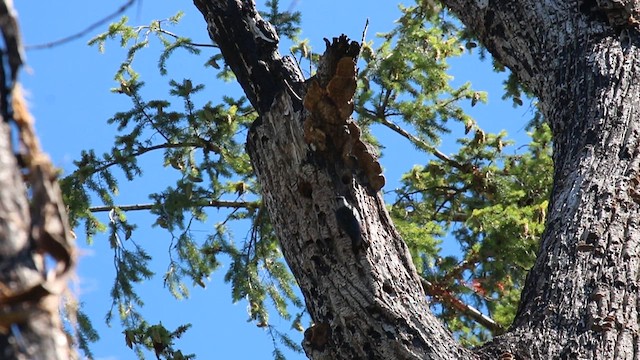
point(492, 202)
point(287, 156)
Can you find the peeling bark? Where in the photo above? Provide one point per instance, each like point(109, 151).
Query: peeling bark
point(30, 228)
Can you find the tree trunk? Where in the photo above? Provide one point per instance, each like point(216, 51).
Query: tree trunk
point(581, 59)
point(30, 324)
point(365, 298)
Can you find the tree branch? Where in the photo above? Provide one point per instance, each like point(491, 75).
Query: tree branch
point(166, 32)
point(81, 33)
point(421, 144)
point(457, 305)
point(206, 203)
point(143, 150)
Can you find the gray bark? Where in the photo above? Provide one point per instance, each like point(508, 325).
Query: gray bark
point(582, 60)
point(365, 303)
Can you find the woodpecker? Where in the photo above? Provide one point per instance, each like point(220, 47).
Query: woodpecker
point(348, 222)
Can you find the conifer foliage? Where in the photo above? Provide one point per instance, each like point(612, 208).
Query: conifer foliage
point(490, 196)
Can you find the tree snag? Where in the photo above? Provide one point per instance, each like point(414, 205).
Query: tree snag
point(368, 304)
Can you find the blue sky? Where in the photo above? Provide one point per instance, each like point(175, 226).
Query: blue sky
point(68, 89)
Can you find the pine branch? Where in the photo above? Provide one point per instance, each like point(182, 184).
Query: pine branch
point(206, 203)
point(142, 150)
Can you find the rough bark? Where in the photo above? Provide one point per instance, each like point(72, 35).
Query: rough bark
point(30, 325)
point(366, 302)
point(582, 60)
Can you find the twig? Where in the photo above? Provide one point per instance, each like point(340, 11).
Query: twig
point(448, 299)
point(421, 144)
point(188, 43)
point(79, 34)
point(364, 31)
